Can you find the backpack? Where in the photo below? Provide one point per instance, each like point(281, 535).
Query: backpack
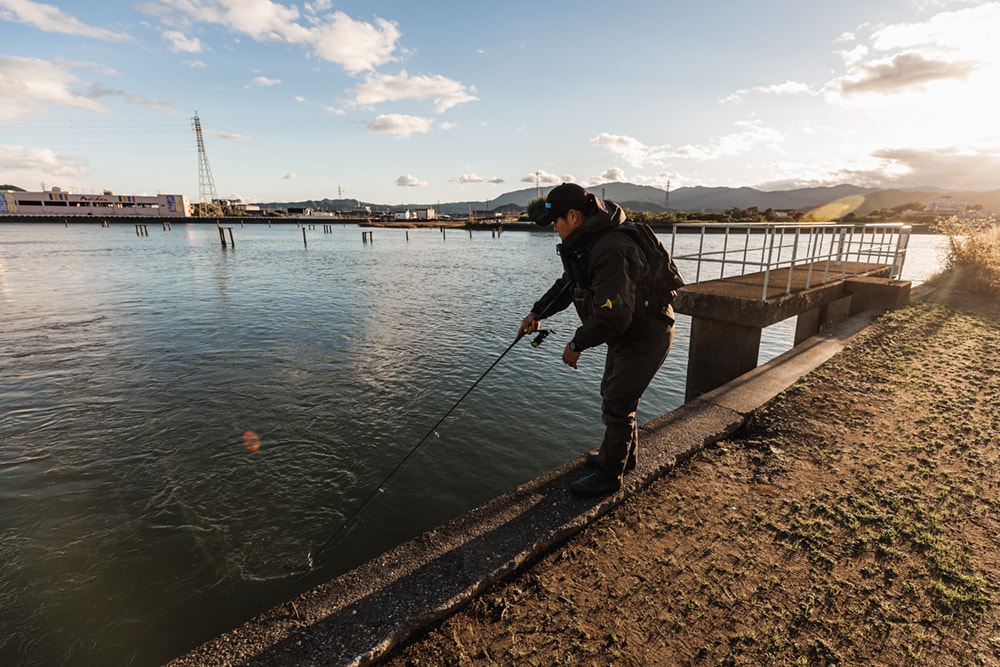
point(656, 291)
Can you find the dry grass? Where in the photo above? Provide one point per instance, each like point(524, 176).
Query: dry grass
point(973, 255)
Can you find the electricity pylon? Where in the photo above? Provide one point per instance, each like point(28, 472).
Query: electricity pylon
point(207, 197)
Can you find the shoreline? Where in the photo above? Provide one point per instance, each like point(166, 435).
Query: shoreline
point(693, 226)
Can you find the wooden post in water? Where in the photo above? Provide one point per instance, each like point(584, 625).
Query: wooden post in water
point(222, 236)
point(142, 230)
point(304, 241)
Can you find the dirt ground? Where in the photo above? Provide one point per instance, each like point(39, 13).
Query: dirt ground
point(855, 521)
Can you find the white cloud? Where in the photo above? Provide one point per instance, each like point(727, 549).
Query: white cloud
point(447, 125)
point(356, 46)
point(445, 92)
point(738, 143)
point(948, 47)
point(630, 149)
point(855, 55)
point(264, 82)
point(290, 176)
point(638, 154)
point(948, 167)
point(180, 42)
point(786, 88)
point(334, 110)
point(467, 179)
point(400, 125)
point(25, 166)
point(228, 136)
point(31, 85)
point(612, 175)
point(52, 19)
point(545, 178)
point(97, 91)
point(971, 30)
point(903, 72)
point(318, 6)
point(196, 64)
point(953, 167)
point(408, 181)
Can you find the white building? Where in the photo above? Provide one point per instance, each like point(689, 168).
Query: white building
point(59, 203)
point(946, 206)
point(424, 214)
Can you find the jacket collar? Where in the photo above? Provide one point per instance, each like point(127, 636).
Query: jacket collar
point(606, 215)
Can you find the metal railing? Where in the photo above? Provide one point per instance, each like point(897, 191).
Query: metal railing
point(825, 251)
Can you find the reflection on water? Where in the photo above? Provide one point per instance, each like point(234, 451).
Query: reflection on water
point(135, 522)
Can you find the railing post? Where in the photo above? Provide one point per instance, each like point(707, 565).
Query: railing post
point(769, 247)
point(899, 257)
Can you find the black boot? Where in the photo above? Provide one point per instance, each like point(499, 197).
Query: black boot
point(594, 485)
point(591, 460)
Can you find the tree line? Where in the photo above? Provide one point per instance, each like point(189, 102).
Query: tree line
point(752, 214)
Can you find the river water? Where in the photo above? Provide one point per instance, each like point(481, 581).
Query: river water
point(134, 522)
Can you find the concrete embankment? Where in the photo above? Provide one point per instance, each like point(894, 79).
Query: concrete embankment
point(361, 615)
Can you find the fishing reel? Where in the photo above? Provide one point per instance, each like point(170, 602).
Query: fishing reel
point(540, 338)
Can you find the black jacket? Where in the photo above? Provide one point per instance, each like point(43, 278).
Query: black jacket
point(601, 269)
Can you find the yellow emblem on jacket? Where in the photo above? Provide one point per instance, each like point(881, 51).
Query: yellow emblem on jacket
point(607, 304)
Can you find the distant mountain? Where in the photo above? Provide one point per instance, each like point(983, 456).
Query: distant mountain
point(698, 198)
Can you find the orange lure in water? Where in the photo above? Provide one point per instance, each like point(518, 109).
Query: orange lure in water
point(251, 441)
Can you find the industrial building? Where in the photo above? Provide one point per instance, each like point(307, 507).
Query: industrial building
point(57, 202)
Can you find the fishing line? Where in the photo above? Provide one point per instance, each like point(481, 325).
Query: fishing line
point(541, 335)
point(381, 487)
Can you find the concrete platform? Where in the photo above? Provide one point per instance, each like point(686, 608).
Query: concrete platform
point(361, 615)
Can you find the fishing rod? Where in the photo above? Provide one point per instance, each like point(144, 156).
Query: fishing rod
point(542, 334)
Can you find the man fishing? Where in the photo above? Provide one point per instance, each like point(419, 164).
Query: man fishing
point(602, 271)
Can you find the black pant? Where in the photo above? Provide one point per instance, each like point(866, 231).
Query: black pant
point(629, 368)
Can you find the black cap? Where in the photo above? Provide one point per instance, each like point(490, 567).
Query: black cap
point(561, 199)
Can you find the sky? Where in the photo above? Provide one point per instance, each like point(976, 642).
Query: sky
point(398, 102)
